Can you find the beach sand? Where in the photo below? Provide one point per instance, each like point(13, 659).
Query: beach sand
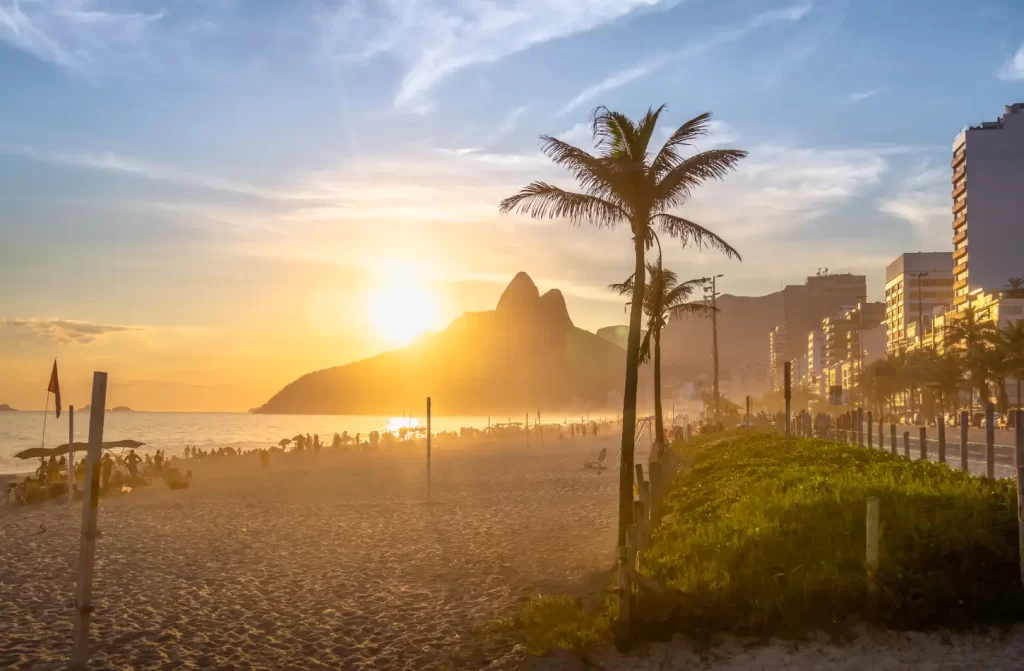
point(336, 563)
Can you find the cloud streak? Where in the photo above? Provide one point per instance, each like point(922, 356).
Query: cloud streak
point(435, 39)
point(861, 95)
point(65, 331)
point(644, 68)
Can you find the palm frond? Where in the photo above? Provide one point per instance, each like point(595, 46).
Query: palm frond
point(675, 186)
point(691, 233)
point(699, 310)
point(644, 132)
point(623, 288)
point(669, 156)
point(680, 292)
point(544, 201)
point(614, 132)
point(597, 176)
point(645, 348)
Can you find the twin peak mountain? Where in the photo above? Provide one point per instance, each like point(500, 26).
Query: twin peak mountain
point(524, 355)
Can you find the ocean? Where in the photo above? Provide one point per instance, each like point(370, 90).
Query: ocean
point(172, 431)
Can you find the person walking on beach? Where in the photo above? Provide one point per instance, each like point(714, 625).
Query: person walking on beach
point(316, 443)
point(264, 458)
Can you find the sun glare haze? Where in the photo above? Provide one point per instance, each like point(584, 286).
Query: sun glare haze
point(400, 313)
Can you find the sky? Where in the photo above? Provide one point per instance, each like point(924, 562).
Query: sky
point(209, 198)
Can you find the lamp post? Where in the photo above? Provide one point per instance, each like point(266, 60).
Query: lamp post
point(920, 327)
point(714, 340)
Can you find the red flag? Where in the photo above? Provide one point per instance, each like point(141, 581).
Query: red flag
point(54, 387)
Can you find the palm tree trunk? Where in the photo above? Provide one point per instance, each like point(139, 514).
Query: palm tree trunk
point(659, 422)
point(629, 394)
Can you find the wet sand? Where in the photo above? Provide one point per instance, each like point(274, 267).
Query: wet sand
point(331, 564)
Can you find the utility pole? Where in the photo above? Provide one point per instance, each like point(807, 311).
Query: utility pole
point(920, 328)
point(714, 342)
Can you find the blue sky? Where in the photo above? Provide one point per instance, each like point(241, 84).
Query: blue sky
point(220, 175)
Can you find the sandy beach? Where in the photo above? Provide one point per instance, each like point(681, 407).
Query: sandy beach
point(336, 563)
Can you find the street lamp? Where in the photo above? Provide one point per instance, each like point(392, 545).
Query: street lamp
point(920, 328)
point(714, 339)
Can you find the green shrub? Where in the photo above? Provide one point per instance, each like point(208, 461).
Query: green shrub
point(548, 622)
point(762, 541)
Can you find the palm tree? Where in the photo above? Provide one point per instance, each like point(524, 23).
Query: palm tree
point(664, 299)
point(942, 374)
point(1015, 288)
point(974, 339)
point(624, 184)
point(1011, 347)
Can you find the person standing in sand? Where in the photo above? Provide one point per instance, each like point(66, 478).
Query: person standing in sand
point(132, 462)
point(106, 466)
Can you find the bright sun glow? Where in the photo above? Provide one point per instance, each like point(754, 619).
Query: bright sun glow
point(400, 313)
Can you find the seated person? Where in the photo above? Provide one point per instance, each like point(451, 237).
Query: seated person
point(175, 480)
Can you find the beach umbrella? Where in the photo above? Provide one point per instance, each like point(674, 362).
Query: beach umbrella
point(284, 442)
point(298, 438)
point(32, 453)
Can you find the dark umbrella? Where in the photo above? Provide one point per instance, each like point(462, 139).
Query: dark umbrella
point(36, 452)
point(284, 442)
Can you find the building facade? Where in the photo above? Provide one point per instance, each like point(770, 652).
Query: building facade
point(915, 285)
point(988, 204)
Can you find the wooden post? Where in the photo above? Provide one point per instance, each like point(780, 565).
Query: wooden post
point(922, 446)
point(892, 438)
point(428, 450)
point(941, 426)
point(657, 485)
point(90, 504)
point(906, 444)
point(642, 538)
point(1019, 463)
point(860, 426)
point(965, 422)
point(632, 541)
point(990, 440)
point(526, 428)
point(71, 454)
point(872, 545)
point(623, 632)
point(871, 432)
point(881, 432)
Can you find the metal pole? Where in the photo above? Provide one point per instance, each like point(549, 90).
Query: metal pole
point(428, 449)
point(941, 425)
point(714, 339)
point(965, 419)
point(87, 549)
point(1019, 462)
point(71, 453)
point(922, 444)
point(990, 440)
point(787, 387)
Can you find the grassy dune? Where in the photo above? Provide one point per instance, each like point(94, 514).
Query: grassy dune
point(763, 542)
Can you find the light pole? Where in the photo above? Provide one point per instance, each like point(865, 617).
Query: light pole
point(714, 340)
point(920, 329)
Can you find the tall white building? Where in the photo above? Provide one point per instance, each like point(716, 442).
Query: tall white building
point(915, 284)
point(988, 204)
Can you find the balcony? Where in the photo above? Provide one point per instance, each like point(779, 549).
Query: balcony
point(960, 221)
point(957, 253)
point(957, 190)
point(959, 205)
point(957, 269)
point(959, 284)
point(958, 158)
point(958, 173)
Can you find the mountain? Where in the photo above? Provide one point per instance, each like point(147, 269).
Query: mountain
point(6, 408)
point(524, 355)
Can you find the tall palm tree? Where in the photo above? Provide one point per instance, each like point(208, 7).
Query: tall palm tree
point(664, 299)
point(625, 184)
point(973, 339)
point(1015, 288)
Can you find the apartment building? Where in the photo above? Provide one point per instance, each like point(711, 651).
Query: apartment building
point(776, 356)
point(916, 284)
point(988, 204)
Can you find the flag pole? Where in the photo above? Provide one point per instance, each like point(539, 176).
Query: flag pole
point(46, 411)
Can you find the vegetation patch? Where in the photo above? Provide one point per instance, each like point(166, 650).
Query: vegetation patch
point(765, 542)
point(546, 623)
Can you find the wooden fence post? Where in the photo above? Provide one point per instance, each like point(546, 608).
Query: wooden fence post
point(990, 440)
point(922, 446)
point(871, 426)
point(941, 425)
point(965, 423)
point(892, 438)
point(623, 629)
point(632, 543)
point(90, 503)
point(906, 444)
point(860, 426)
point(643, 539)
point(872, 545)
point(1019, 463)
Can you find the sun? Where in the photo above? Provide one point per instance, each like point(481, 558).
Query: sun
point(400, 313)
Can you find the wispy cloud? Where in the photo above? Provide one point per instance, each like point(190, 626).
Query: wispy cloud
point(126, 165)
point(70, 33)
point(435, 39)
point(922, 200)
point(651, 65)
point(65, 331)
point(861, 95)
point(1013, 68)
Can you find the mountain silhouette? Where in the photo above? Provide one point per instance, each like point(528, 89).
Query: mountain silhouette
point(524, 355)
